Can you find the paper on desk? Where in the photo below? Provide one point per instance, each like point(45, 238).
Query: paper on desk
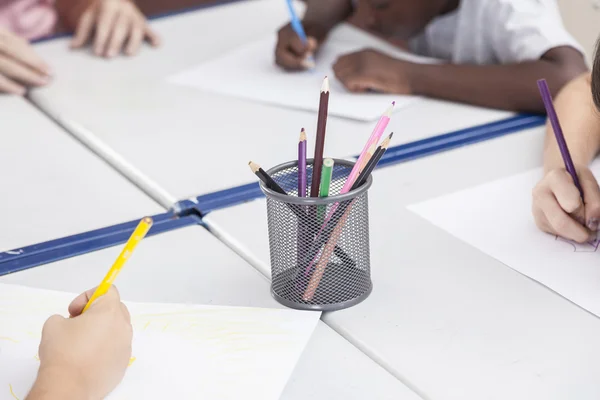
point(250, 72)
point(181, 351)
point(496, 219)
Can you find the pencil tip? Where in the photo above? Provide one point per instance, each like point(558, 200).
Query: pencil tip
point(390, 109)
point(254, 166)
point(391, 135)
point(302, 135)
point(325, 86)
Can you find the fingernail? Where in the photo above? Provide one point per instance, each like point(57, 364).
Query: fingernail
point(308, 63)
point(112, 53)
point(593, 224)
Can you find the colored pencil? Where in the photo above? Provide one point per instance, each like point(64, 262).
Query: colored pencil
point(298, 28)
point(302, 164)
point(373, 139)
point(320, 142)
point(325, 185)
point(328, 227)
point(558, 133)
point(316, 277)
point(136, 237)
point(300, 214)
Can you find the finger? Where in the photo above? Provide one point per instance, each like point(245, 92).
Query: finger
point(151, 36)
point(312, 45)
point(77, 305)
point(8, 86)
point(126, 313)
point(122, 26)
point(564, 190)
point(103, 29)
point(84, 29)
point(20, 50)
point(563, 224)
point(16, 71)
point(51, 325)
point(591, 195)
point(287, 60)
point(296, 46)
point(136, 36)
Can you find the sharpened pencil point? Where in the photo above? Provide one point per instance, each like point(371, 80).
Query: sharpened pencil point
point(302, 135)
point(390, 109)
point(387, 140)
point(254, 166)
point(325, 86)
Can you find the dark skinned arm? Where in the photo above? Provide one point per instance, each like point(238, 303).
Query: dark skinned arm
point(508, 87)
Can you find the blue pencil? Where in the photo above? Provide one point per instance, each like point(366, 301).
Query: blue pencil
point(297, 25)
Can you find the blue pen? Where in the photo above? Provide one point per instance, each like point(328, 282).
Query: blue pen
point(297, 27)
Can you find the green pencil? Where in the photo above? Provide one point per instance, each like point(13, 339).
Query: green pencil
point(326, 174)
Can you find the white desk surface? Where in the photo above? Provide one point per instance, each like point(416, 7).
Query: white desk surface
point(448, 319)
point(190, 265)
point(52, 185)
point(175, 135)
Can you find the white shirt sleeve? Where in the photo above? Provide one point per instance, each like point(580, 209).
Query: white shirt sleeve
point(524, 30)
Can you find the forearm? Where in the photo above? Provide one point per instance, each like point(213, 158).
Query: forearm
point(508, 87)
point(580, 122)
point(327, 13)
point(54, 384)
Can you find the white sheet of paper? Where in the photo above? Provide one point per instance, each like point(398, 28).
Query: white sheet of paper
point(496, 219)
point(181, 351)
point(250, 72)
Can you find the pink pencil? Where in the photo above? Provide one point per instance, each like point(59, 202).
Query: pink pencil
point(373, 140)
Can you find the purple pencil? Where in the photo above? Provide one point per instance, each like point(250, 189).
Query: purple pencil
point(302, 164)
point(560, 138)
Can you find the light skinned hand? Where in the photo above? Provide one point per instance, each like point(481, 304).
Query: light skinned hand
point(92, 349)
point(559, 210)
point(116, 26)
point(20, 66)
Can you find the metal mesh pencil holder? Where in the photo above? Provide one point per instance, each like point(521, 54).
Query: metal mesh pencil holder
point(319, 247)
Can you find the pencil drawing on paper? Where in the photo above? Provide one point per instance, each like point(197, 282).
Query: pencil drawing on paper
point(589, 247)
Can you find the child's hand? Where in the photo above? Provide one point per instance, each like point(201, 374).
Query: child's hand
point(19, 65)
point(92, 350)
point(370, 70)
point(117, 25)
point(558, 209)
point(291, 53)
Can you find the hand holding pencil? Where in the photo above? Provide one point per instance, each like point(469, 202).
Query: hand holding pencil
point(566, 202)
point(85, 356)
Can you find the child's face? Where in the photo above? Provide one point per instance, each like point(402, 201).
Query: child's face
point(400, 18)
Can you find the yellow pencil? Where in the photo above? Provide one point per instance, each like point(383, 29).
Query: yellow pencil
point(136, 237)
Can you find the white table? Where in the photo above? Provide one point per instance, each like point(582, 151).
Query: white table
point(445, 317)
point(178, 137)
point(190, 265)
point(52, 185)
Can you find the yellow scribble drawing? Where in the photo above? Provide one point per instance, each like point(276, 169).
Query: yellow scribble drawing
point(12, 392)
point(147, 325)
point(37, 357)
point(165, 327)
point(9, 339)
point(131, 361)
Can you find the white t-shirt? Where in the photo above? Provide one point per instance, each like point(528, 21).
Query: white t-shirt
point(494, 32)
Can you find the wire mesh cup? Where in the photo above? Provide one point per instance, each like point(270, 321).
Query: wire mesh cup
point(319, 247)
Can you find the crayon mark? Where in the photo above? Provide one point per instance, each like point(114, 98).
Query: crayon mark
point(12, 393)
point(131, 361)
point(9, 339)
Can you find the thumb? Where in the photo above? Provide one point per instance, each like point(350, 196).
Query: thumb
point(312, 44)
